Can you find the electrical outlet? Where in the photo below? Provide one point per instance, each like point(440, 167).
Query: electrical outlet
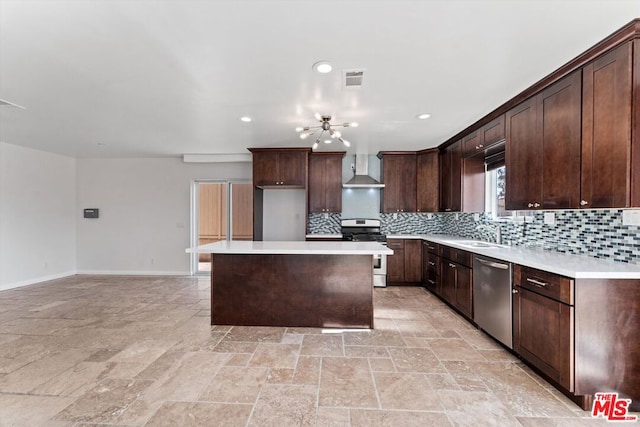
point(631, 217)
point(529, 218)
point(395, 215)
point(476, 217)
point(457, 216)
point(429, 216)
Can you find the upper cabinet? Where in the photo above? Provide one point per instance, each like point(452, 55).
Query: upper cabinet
point(543, 144)
point(427, 185)
point(325, 182)
point(606, 132)
point(451, 178)
point(280, 167)
point(399, 178)
point(484, 138)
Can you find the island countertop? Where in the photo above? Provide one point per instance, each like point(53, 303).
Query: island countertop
point(292, 248)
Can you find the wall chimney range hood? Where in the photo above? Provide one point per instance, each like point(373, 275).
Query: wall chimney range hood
point(361, 179)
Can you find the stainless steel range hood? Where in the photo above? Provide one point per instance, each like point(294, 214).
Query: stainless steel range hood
point(361, 179)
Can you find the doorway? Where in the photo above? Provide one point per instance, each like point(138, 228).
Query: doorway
point(221, 210)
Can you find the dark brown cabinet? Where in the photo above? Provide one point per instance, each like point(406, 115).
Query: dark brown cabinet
point(456, 279)
point(275, 167)
point(431, 266)
point(399, 178)
point(451, 178)
point(325, 182)
point(405, 265)
point(606, 131)
point(543, 144)
point(427, 181)
point(484, 138)
point(543, 323)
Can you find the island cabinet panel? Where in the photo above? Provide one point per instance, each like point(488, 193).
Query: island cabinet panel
point(395, 262)
point(280, 168)
point(399, 178)
point(322, 291)
point(404, 267)
point(325, 182)
point(456, 278)
point(543, 137)
point(606, 131)
point(428, 181)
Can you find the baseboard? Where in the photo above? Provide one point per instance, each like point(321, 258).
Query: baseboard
point(35, 280)
point(133, 273)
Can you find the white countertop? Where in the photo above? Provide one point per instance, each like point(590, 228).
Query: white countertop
point(324, 236)
point(293, 248)
point(576, 266)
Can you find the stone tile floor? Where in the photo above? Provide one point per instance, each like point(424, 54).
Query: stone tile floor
point(133, 351)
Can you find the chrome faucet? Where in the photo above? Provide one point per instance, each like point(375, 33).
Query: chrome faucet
point(495, 228)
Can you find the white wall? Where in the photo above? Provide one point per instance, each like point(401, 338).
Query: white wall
point(144, 213)
point(37, 216)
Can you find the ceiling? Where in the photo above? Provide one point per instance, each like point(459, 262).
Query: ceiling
point(164, 78)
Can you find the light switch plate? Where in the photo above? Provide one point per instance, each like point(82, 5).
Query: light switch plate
point(457, 216)
point(631, 217)
point(550, 218)
point(476, 217)
point(529, 218)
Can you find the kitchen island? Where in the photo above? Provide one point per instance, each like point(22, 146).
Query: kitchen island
point(296, 284)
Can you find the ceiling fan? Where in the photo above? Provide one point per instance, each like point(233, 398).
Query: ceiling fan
point(325, 126)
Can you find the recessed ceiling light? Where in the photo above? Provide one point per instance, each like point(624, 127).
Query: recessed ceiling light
point(322, 67)
point(246, 119)
point(423, 116)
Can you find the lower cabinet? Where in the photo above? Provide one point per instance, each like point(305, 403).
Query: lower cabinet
point(431, 267)
point(405, 265)
point(456, 279)
point(543, 316)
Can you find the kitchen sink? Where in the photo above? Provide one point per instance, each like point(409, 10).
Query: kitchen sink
point(477, 244)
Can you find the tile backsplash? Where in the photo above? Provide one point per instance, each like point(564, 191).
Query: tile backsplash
point(595, 233)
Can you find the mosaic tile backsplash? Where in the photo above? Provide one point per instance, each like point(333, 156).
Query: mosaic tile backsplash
point(596, 233)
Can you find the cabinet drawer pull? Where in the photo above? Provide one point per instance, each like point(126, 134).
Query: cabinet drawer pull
point(530, 205)
point(433, 248)
point(537, 283)
point(432, 263)
point(447, 210)
point(452, 265)
point(433, 282)
point(583, 203)
point(536, 205)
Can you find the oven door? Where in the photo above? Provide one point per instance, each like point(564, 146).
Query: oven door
point(380, 271)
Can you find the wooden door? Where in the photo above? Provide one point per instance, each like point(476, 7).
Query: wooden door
point(392, 178)
point(448, 272)
point(523, 158)
point(606, 130)
point(265, 168)
point(451, 178)
point(427, 181)
point(463, 290)
point(292, 168)
point(395, 262)
point(317, 174)
point(333, 183)
point(412, 260)
point(559, 124)
point(242, 211)
point(408, 183)
point(543, 334)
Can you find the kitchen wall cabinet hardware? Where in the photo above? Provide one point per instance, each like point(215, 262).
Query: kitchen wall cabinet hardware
point(607, 120)
point(427, 181)
point(280, 167)
point(405, 265)
point(399, 178)
point(543, 144)
point(484, 138)
point(325, 182)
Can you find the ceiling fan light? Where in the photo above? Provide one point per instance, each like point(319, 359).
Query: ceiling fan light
point(345, 142)
point(299, 129)
point(304, 135)
point(317, 116)
point(336, 134)
point(314, 146)
point(354, 124)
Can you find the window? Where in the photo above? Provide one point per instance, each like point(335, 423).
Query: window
point(495, 190)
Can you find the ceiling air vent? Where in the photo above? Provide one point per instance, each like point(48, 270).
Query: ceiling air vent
point(353, 78)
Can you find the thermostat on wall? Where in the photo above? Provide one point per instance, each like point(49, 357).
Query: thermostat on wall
point(92, 213)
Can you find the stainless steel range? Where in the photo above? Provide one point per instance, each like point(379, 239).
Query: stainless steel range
point(368, 230)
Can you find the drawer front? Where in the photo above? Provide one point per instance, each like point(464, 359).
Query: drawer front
point(456, 255)
point(433, 261)
point(431, 281)
point(544, 283)
point(396, 244)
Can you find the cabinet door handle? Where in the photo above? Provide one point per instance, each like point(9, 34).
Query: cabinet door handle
point(530, 205)
point(536, 205)
point(537, 283)
point(514, 291)
point(432, 263)
point(452, 265)
point(447, 210)
point(433, 282)
point(431, 247)
point(583, 203)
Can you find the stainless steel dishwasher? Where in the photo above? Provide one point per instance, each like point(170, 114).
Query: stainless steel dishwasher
point(492, 299)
